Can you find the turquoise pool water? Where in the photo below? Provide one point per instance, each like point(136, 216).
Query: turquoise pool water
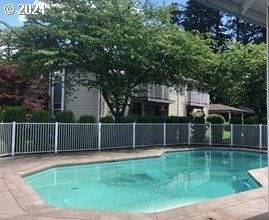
point(149, 185)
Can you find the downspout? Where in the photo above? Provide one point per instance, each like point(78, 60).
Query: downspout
point(63, 91)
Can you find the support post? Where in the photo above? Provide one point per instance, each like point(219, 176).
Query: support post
point(99, 135)
point(134, 135)
point(13, 138)
point(210, 134)
point(189, 133)
point(267, 78)
point(232, 135)
point(260, 135)
point(56, 138)
point(164, 134)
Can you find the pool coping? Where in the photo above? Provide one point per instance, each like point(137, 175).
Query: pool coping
point(32, 204)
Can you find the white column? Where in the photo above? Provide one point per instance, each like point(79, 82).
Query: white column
point(260, 136)
point(13, 138)
point(267, 81)
point(134, 135)
point(232, 135)
point(210, 134)
point(99, 135)
point(189, 134)
point(164, 134)
point(56, 138)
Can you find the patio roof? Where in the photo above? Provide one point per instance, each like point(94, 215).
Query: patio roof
point(251, 10)
point(220, 108)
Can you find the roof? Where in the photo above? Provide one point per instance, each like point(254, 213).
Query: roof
point(251, 10)
point(220, 108)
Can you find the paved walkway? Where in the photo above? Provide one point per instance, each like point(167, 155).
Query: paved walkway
point(19, 201)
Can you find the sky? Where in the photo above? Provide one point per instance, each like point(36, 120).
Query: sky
point(16, 20)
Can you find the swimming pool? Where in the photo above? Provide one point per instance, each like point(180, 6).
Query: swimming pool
point(149, 185)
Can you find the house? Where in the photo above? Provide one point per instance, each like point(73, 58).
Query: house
point(153, 100)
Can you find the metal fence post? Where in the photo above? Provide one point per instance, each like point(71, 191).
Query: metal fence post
point(133, 135)
point(189, 133)
point(13, 138)
point(210, 134)
point(56, 137)
point(260, 135)
point(164, 134)
point(232, 135)
point(99, 135)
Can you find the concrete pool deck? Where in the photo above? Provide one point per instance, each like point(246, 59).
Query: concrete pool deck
point(19, 201)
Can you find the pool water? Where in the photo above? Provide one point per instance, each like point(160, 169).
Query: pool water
point(149, 185)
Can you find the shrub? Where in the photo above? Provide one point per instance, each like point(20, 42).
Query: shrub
point(252, 120)
point(127, 119)
point(215, 119)
point(235, 120)
point(65, 117)
point(264, 120)
point(199, 120)
point(158, 119)
point(176, 119)
point(41, 116)
point(1, 114)
point(218, 129)
point(86, 119)
point(199, 132)
point(107, 119)
point(14, 113)
point(144, 119)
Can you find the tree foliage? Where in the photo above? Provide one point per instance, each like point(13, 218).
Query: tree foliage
point(240, 77)
point(113, 45)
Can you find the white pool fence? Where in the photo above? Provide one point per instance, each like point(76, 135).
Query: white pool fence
point(21, 138)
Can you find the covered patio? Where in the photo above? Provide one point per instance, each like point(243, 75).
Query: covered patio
point(229, 111)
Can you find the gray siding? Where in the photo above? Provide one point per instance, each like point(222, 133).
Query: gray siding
point(83, 101)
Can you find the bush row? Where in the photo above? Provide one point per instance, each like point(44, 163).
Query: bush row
point(18, 114)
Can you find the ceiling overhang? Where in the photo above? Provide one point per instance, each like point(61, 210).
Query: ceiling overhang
point(253, 11)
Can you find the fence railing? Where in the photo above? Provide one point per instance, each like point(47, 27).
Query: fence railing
point(21, 138)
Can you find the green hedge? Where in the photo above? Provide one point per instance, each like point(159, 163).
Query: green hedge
point(144, 119)
point(215, 119)
point(65, 117)
point(235, 120)
point(252, 120)
point(158, 119)
point(1, 114)
point(107, 119)
point(127, 119)
point(199, 120)
point(14, 113)
point(86, 119)
point(264, 120)
point(177, 119)
point(41, 116)
point(217, 132)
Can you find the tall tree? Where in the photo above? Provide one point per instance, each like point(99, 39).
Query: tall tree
point(207, 21)
point(113, 45)
point(245, 32)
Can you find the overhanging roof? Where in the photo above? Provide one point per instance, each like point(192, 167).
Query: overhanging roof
point(220, 108)
point(251, 10)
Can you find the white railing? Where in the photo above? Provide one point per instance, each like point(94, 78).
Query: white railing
point(197, 98)
point(22, 138)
